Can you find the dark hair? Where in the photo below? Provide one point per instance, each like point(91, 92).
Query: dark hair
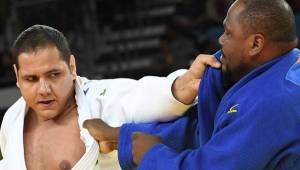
point(273, 18)
point(37, 37)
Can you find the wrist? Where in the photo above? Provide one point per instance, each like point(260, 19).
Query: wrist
point(112, 143)
point(115, 133)
point(185, 88)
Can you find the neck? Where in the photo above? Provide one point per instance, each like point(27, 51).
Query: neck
point(67, 111)
point(274, 50)
point(65, 114)
point(270, 52)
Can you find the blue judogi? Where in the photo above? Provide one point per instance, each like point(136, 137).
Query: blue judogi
point(253, 125)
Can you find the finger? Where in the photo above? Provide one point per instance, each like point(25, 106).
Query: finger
point(195, 84)
point(141, 135)
point(209, 60)
point(88, 123)
point(136, 135)
point(108, 146)
point(92, 126)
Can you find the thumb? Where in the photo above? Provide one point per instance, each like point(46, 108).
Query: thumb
point(108, 146)
point(136, 135)
point(93, 129)
point(87, 124)
point(195, 84)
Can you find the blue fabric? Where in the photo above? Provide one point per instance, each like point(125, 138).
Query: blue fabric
point(254, 125)
point(293, 74)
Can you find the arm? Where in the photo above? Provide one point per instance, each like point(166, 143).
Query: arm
point(163, 99)
point(108, 137)
point(251, 144)
point(149, 99)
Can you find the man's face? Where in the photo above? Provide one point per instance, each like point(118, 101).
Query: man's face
point(234, 44)
point(46, 82)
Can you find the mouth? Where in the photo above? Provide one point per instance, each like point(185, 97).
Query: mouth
point(224, 64)
point(46, 102)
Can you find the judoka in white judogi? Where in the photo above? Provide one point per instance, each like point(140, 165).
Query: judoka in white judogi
point(115, 101)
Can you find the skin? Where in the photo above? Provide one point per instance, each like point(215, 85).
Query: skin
point(46, 83)
point(242, 52)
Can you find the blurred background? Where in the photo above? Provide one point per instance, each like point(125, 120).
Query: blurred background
point(115, 38)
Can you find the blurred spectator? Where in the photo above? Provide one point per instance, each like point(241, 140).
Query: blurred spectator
point(295, 4)
point(6, 71)
point(4, 11)
point(194, 28)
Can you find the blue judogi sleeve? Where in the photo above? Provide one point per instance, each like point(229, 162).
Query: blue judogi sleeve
point(172, 134)
point(256, 126)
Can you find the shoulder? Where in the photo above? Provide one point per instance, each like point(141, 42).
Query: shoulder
point(13, 112)
point(293, 75)
point(103, 86)
point(291, 85)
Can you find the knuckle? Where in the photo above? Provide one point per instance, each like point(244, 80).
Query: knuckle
point(134, 136)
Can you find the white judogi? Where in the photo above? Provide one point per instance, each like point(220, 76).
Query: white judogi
point(115, 101)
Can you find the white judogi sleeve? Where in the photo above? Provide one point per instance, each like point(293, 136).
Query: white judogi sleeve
point(118, 101)
point(2, 165)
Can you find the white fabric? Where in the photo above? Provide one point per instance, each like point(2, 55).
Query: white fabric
point(115, 101)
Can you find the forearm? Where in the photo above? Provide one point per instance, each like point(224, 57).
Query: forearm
point(182, 128)
point(154, 100)
point(184, 89)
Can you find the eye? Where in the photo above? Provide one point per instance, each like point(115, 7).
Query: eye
point(30, 78)
point(54, 75)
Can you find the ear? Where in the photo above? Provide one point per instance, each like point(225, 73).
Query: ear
point(16, 74)
point(72, 65)
point(257, 44)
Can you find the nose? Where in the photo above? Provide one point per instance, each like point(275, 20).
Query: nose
point(44, 88)
point(221, 39)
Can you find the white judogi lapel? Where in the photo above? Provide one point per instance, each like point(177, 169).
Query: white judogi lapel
point(14, 150)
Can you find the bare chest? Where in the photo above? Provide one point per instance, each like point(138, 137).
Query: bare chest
point(55, 147)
